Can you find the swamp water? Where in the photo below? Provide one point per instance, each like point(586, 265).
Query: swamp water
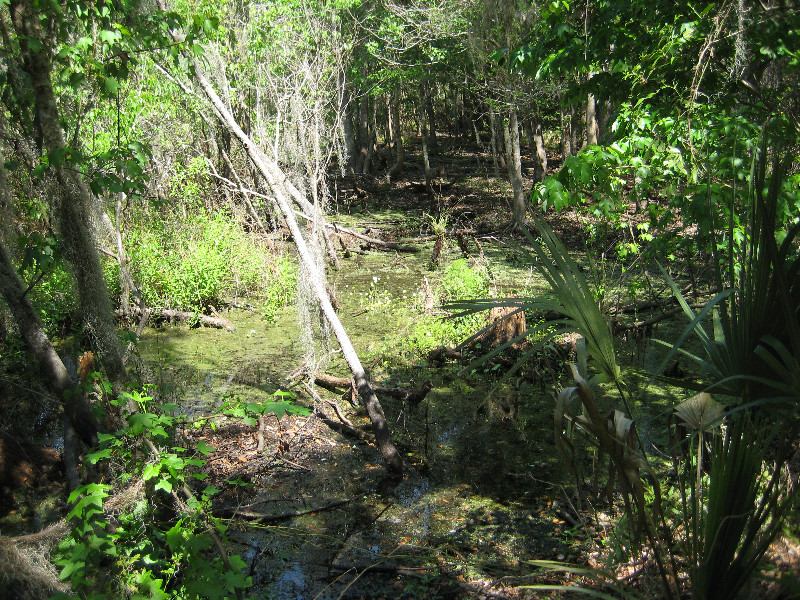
point(472, 506)
point(481, 493)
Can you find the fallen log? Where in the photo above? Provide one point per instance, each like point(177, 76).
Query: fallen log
point(179, 315)
point(415, 396)
point(372, 241)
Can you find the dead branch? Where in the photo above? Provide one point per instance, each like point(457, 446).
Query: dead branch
point(265, 518)
point(370, 240)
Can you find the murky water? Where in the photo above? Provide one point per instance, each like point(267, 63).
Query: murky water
point(478, 483)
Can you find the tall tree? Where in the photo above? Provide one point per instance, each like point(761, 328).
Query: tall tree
point(37, 30)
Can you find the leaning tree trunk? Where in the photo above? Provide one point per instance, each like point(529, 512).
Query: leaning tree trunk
point(74, 198)
point(277, 180)
point(514, 166)
point(52, 368)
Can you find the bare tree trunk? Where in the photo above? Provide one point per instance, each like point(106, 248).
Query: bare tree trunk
point(514, 166)
point(423, 122)
point(277, 180)
point(591, 120)
point(427, 105)
point(574, 129)
point(604, 114)
point(497, 157)
point(74, 200)
point(397, 135)
point(349, 162)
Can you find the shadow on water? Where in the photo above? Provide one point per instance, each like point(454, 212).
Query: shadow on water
point(471, 506)
point(321, 519)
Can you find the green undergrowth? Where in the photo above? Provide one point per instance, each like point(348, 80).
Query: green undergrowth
point(206, 260)
point(153, 534)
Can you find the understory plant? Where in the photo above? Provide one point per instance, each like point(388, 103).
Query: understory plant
point(729, 456)
point(159, 539)
point(189, 265)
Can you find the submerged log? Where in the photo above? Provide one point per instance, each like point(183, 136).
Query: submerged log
point(415, 396)
point(180, 315)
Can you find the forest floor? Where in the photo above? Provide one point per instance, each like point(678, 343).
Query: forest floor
point(314, 513)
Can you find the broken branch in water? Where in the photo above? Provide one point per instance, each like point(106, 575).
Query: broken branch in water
point(265, 518)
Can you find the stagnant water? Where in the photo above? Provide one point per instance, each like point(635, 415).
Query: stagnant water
point(482, 489)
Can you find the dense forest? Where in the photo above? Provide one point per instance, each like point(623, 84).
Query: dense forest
point(399, 299)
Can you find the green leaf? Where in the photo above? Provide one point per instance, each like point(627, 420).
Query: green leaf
point(150, 471)
point(165, 485)
point(204, 448)
point(111, 85)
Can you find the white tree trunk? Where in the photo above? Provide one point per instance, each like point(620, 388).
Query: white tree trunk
point(279, 182)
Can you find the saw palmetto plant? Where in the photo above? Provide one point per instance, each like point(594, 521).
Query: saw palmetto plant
point(751, 359)
point(730, 443)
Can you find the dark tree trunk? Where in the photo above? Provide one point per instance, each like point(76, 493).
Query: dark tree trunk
point(51, 367)
point(397, 135)
point(497, 144)
point(514, 165)
point(574, 129)
point(430, 114)
point(425, 134)
point(538, 151)
point(74, 201)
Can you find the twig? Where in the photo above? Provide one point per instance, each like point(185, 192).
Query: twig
point(264, 518)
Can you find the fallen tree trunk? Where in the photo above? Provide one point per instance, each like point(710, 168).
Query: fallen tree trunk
point(372, 241)
point(278, 181)
point(180, 315)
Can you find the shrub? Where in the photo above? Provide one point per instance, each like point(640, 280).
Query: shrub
point(189, 265)
point(465, 280)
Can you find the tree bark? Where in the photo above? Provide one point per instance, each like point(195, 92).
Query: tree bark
point(574, 130)
point(566, 146)
point(514, 166)
point(497, 157)
point(538, 151)
point(277, 180)
point(423, 125)
point(74, 199)
point(427, 106)
point(397, 135)
point(349, 162)
point(591, 120)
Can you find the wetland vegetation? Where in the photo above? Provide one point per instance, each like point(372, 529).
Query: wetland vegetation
point(399, 300)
